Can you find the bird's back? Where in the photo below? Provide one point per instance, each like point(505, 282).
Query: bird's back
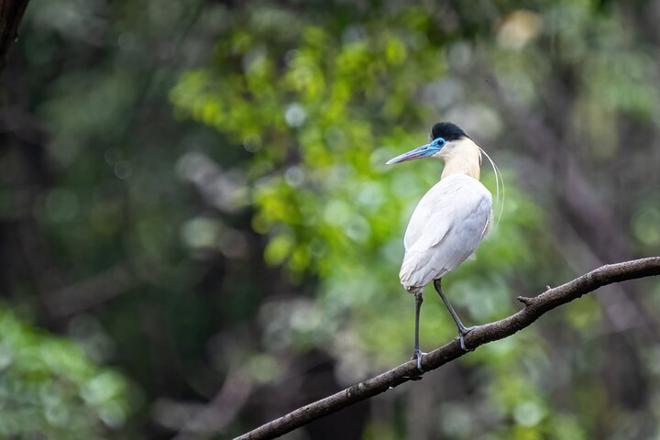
point(446, 227)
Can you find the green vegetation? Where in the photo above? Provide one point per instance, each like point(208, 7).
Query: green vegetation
point(48, 386)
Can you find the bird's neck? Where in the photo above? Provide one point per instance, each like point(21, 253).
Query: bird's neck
point(464, 158)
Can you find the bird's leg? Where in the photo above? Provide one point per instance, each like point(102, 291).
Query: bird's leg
point(462, 329)
point(417, 354)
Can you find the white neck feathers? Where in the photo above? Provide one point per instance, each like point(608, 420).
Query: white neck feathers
point(462, 157)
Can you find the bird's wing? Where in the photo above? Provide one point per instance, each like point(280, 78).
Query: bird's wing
point(445, 229)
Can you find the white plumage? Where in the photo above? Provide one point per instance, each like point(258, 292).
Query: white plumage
point(446, 227)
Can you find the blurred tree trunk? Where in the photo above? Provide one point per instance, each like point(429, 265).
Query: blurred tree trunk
point(11, 13)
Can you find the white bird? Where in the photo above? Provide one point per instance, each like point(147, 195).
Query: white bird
point(449, 221)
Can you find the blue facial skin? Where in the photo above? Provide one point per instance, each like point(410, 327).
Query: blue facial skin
point(435, 146)
point(427, 150)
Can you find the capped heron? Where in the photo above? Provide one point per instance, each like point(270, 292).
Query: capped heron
point(449, 221)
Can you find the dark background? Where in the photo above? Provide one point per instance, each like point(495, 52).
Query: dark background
point(198, 232)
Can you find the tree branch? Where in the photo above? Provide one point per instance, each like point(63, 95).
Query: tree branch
point(11, 13)
point(534, 308)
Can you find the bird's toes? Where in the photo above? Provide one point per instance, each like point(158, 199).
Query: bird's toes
point(461, 338)
point(417, 356)
point(466, 330)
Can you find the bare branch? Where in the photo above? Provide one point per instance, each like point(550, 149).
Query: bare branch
point(534, 308)
point(11, 13)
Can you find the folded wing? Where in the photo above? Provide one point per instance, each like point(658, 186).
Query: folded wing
point(446, 227)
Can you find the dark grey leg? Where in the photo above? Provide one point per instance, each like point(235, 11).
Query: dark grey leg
point(419, 299)
point(462, 329)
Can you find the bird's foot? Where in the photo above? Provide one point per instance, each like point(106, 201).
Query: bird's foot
point(462, 333)
point(417, 355)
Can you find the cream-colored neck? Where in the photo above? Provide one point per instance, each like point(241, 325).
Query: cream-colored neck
point(462, 157)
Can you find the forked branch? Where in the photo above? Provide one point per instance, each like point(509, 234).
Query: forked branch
point(534, 307)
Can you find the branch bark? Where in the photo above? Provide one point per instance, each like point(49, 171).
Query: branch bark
point(534, 307)
point(11, 13)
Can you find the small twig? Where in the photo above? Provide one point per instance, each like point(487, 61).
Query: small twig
point(528, 301)
point(483, 334)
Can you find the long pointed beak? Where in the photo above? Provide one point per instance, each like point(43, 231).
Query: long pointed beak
point(417, 153)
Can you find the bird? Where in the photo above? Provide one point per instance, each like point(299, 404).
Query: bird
point(448, 223)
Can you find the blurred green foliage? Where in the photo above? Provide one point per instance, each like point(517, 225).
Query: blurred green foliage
point(321, 108)
point(50, 387)
point(341, 101)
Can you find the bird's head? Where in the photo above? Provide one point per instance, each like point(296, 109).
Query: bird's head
point(445, 136)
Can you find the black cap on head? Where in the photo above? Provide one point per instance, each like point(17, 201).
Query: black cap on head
point(447, 131)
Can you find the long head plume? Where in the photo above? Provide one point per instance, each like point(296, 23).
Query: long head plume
point(499, 187)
